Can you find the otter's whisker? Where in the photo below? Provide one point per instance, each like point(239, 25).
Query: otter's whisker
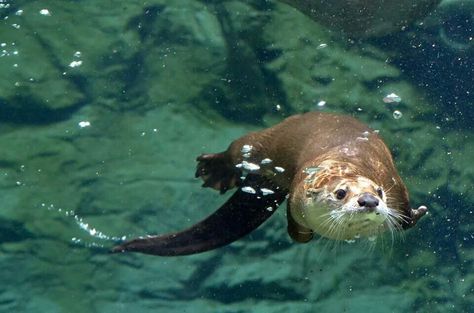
point(389, 188)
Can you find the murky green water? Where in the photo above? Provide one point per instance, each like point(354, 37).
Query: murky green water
point(104, 107)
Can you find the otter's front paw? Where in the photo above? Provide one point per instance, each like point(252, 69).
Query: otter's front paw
point(217, 171)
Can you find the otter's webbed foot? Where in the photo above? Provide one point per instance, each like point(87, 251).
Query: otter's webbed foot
point(217, 171)
point(415, 215)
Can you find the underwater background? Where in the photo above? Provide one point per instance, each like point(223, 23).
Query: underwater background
point(104, 106)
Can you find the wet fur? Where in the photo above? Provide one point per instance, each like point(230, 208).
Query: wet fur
point(342, 147)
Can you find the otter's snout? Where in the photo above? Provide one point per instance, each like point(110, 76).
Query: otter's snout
point(367, 200)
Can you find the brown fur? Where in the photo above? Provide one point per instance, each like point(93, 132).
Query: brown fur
point(304, 141)
point(312, 155)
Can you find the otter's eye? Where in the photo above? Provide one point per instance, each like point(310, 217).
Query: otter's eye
point(340, 194)
point(380, 192)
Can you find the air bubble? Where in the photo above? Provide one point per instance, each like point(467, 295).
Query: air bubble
point(266, 161)
point(279, 169)
point(321, 103)
point(246, 148)
point(83, 124)
point(397, 114)
point(266, 191)
point(248, 189)
point(75, 63)
point(45, 12)
point(250, 166)
point(391, 98)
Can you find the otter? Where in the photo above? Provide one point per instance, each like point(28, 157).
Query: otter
point(337, 173)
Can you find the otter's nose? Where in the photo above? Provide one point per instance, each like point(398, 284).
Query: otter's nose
point(368, 200)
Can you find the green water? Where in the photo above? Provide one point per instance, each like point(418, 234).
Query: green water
point(105, 105)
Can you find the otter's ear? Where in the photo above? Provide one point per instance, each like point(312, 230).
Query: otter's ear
point(415, 215)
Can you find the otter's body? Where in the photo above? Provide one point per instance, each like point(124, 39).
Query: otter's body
point(304, 140)
point(338, 173)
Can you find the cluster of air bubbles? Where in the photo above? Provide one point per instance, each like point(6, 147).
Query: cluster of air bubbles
point(144, 133)
point(4, 4)
point(248, 167)
point(85, 227)
point(246, 151)
point(245, 165)
point(6, 51)
point(364, 137)
point(393, 98)
point(93, 232)
point(76, 62)
point(263, 191)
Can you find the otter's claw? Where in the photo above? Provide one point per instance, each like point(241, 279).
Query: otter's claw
point(415, 215)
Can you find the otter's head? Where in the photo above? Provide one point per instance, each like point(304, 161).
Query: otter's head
point(338, 203)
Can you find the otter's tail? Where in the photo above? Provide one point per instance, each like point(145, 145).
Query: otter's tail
point(241, 214)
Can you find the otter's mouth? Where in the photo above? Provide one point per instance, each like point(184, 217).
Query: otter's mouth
point(365, 210)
